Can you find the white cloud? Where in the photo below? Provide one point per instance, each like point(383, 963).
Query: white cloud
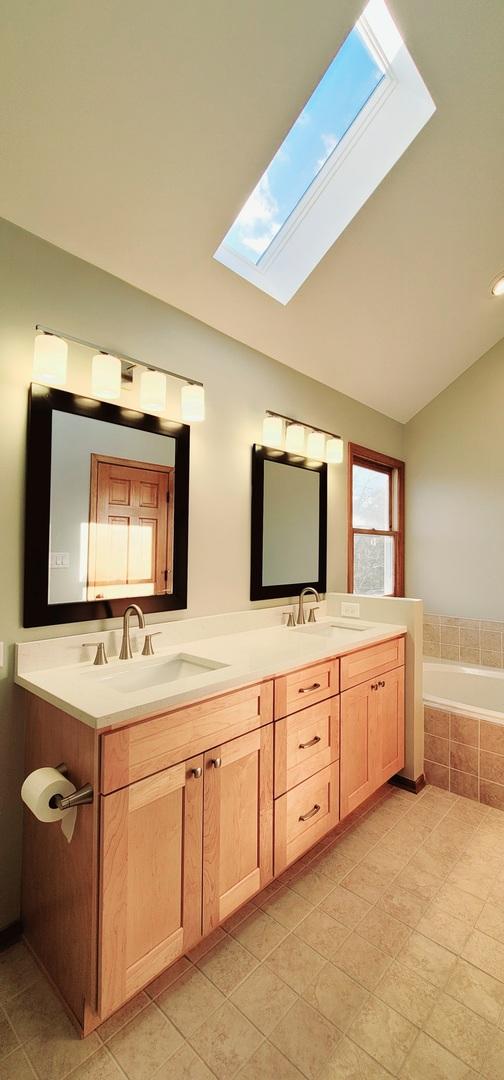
point(329, 142)
point(257, 222)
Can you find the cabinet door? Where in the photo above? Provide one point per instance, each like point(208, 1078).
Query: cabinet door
point(150, 878)
point(357, 747)
point(389, 704)
point(237, 823)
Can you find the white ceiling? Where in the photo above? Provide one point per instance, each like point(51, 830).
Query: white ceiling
point(131, 134)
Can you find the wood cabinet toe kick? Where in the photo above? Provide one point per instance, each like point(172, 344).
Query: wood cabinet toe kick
point(196, 811)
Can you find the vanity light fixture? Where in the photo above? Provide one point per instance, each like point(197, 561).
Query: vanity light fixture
point(111, 374)
point(284, 432)
point(153, 391)
point(106, 376)
point(498, 286)
point(50, 359)
point(192, 400)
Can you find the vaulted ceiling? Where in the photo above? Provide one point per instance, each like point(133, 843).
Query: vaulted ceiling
point(131, 134)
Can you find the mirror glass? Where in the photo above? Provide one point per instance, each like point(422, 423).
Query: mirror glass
point(289, 524)
point(111, 514)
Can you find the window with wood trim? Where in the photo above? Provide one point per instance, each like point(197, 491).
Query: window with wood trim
point(375, 523)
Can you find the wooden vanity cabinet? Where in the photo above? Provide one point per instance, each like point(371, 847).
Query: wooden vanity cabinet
point(372, 737)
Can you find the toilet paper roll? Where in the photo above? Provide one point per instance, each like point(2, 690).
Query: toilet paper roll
point(37, 791)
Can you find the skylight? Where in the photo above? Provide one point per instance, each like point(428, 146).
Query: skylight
point(367, 108)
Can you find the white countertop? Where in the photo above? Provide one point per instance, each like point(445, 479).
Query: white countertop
point(86, 691)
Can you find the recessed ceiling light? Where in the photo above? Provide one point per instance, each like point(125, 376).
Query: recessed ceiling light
point(498, 286)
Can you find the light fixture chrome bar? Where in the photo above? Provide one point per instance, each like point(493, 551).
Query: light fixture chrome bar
point(313, 427)
point(114, 352)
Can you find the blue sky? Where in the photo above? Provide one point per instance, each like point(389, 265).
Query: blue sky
point(336, 101)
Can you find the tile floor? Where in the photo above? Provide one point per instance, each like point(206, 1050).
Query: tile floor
point(379, 954)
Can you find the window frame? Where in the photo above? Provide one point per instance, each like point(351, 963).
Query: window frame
point(395, 469)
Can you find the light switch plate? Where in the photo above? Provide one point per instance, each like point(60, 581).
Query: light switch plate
point(352, 610)
point(59, 560)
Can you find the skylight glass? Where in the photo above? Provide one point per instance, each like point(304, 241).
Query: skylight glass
point(338, 99)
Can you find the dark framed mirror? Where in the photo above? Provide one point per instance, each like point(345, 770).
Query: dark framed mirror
point(289, 524)
point(107, 506)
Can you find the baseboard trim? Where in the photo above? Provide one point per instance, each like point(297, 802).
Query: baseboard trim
point(404, 782)
point(11, 934)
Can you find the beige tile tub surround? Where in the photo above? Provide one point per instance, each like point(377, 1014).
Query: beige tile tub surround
point(337, 972)
point(470, 641)
point(465, 756)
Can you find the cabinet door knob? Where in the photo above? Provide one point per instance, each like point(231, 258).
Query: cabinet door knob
point(312, 742)
point(309, 689)
point(311, 813)
point(197, 772)
point(381, 683)
point(374, 685)
point(216, 762)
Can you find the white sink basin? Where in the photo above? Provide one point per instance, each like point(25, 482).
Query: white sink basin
point(136, 675)
point(339, 629)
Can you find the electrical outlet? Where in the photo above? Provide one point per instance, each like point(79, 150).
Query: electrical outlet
point(352, 610)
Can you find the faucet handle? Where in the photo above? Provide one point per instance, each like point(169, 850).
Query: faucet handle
point(290, 618)
point(101, 655)
point(147, 648)
point(312, 617)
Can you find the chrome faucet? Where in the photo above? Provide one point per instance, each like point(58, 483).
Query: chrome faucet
point(132, 609)
point(300, 615)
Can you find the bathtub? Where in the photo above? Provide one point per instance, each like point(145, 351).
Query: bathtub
point(459, 688)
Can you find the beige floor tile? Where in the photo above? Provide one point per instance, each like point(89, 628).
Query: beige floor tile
point(459, 903)
point(34, 1010)
point(18, 970)
point(431, 861)
point(350, 1062)
point(227, 964)
point(145, 1043)
point(491, 922)
point(238, 916)
point(371, 877)
point(404, 838)
point(101, 1066)
point(58, 1049)
point(287, 907)
point(322, 933)
point(306, 1039)
point(382, 930)
point(168, 977)
point(296, 963)
point(362, 961)
point(190, 1001)
point(486, 953)
point(407, 992)
point(479, 991)
point(430, 1061)
point(428, 959)
point(311, 885)
point(16, 1067)
point(184, 1065)
point(226, 1041)
point(383, 1033)
point(466, 810)
point(403, 905)
point(336, 996)
point(355, 845)
point(419, 881)
point(8, 1038)
point(269, 1064)
point(259, 933)
point(333, 864)
point(444, 928)
point(493, 1067)
point(345, 907)
point(204, 946)
point(468, 878)
point(122, 1016)
point(459, 1030)
point(264, 999)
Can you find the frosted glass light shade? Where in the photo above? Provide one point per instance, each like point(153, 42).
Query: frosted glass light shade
point(334, 451)
point(295, 439)
point(315, 446)
point(50, 359)
point(153, 391)
point(273, 431)
point(106, 376)
point(192, 399)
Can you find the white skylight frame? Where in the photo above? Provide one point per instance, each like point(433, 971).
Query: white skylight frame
point(392, 117)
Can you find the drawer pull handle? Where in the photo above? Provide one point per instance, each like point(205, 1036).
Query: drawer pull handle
point(311, 813)
point(216, 762)
point(312, 742)
point(309, 689)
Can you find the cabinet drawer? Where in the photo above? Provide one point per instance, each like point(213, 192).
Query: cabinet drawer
point(306, 742)
point(360, 666)
point(305, 687)
point(146, 748)
point(305, 814)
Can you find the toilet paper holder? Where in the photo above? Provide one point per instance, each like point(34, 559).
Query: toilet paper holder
point(78, 798)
